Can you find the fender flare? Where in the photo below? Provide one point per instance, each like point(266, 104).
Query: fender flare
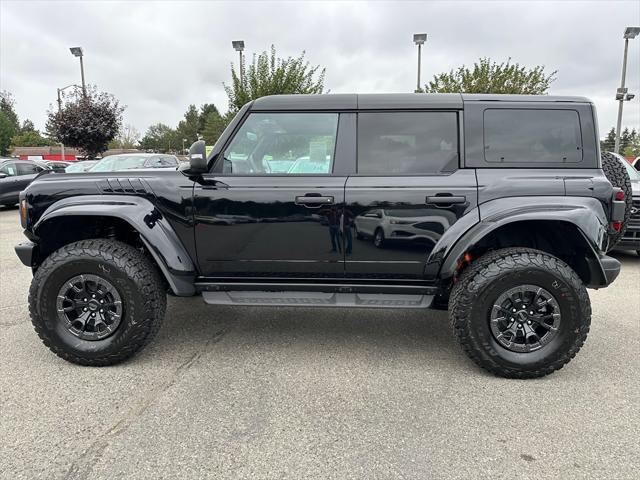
point(586, 214)
point(155, 232)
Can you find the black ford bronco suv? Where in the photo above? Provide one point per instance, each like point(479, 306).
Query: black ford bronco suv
point(495, 207)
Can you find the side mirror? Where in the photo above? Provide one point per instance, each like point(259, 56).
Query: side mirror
point(198, 157)
point(3, 175)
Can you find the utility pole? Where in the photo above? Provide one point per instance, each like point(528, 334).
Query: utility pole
point(621, 94)
point(77, 51)
point(419, 39)
point(238, 46)
point(60, 90)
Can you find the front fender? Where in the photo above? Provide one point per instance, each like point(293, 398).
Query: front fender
point(586, 214)
point(155, 232)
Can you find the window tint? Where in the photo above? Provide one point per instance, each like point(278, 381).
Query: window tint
point(283, 143)
point(549, 136)
point(407, 143)
point(9, 169)
point(25, 168)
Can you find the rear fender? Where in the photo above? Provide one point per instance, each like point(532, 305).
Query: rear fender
point(586, 214)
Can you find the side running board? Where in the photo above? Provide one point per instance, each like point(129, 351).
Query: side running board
point(318, 299)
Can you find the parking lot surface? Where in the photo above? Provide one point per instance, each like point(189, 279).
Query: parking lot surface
point(246, 392)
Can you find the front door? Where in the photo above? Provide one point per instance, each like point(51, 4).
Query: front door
point(272, 206)
point(407, 192)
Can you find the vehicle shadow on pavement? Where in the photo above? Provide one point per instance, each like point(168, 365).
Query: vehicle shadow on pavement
point(314, 334)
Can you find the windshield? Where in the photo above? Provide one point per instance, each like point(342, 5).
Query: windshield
point(113, 163)
point(633, 173)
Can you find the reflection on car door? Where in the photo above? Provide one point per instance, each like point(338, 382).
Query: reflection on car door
point(408, 171)
point(254, 219)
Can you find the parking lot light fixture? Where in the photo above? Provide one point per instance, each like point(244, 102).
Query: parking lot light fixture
point(238, 46)
point(77, 52)
point(419, 39)
point(621, 93)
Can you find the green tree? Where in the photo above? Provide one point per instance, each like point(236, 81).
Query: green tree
point(214, 126)
point(31, 138)
point(7, 106)
point(160, 138)
point(205, 110)
point(189, 127)
point(488, 76)
point(27, 126)
point(270, 75)
point(7, 131)
point(632, 148)
point(609, 142)
point(88, 122)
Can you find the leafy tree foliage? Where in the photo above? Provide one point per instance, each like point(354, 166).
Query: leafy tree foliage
point(7, 106)
point(88, 122)
point(270, 75)
point(488, 76)
point(629, 142)
point(189, 127)
point(609, 142)
point(160, 138)
point(214, 126)
point(27, 126)
point(31, 138)
point(128, 137)
point(7, 131)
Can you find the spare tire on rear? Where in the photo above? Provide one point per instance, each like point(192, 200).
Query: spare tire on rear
point(617, 174)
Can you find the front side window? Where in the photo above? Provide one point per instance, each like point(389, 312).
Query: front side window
point(9, 169)
point(407, 143)
point(532, 136)
point(283, 144)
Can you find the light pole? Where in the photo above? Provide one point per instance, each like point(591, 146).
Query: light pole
point(621, 93)
point(183, 140)
point(77, 51)
point(238, 46)
point(60, 90)
point(419, 39)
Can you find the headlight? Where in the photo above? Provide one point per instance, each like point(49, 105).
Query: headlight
point(24, 208)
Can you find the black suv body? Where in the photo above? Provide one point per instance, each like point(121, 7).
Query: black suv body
point(495, 206)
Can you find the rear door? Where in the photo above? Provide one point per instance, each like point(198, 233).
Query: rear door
point(27, 171)
point(407, 170)
point(272, 206)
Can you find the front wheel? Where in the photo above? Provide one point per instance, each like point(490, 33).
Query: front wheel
point(378, 238)
point(520, 313)
point(96, 302)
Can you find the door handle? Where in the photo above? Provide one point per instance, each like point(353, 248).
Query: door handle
point(446, 200)
point(313, 201)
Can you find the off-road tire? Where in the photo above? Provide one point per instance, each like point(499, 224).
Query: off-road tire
point(479, 286)
point(135, 278)
point(619, 178)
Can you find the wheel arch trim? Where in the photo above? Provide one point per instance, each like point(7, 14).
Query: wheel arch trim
point(585, 214)
point(154, 229)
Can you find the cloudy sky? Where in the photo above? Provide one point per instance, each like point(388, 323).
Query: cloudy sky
point(159, 57)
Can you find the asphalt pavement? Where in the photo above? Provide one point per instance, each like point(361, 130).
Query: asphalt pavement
point(296, 393)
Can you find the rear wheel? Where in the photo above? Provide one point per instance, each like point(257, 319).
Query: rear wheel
point(96, 302)
point(619, 178)
point(520, 313)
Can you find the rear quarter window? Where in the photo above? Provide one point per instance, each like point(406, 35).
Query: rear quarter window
point(532, 136)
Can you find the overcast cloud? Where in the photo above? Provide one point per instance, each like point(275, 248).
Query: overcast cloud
point(159, 57)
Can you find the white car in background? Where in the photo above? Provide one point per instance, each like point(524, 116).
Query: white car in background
point(385, 225)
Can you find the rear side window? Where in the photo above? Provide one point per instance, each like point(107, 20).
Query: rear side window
point(407, 143)
point(28, 168)
point(532, 136)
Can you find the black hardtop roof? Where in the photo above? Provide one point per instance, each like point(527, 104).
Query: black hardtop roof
point(380, 101)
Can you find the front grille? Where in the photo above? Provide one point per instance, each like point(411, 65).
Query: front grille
point(634, 220)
